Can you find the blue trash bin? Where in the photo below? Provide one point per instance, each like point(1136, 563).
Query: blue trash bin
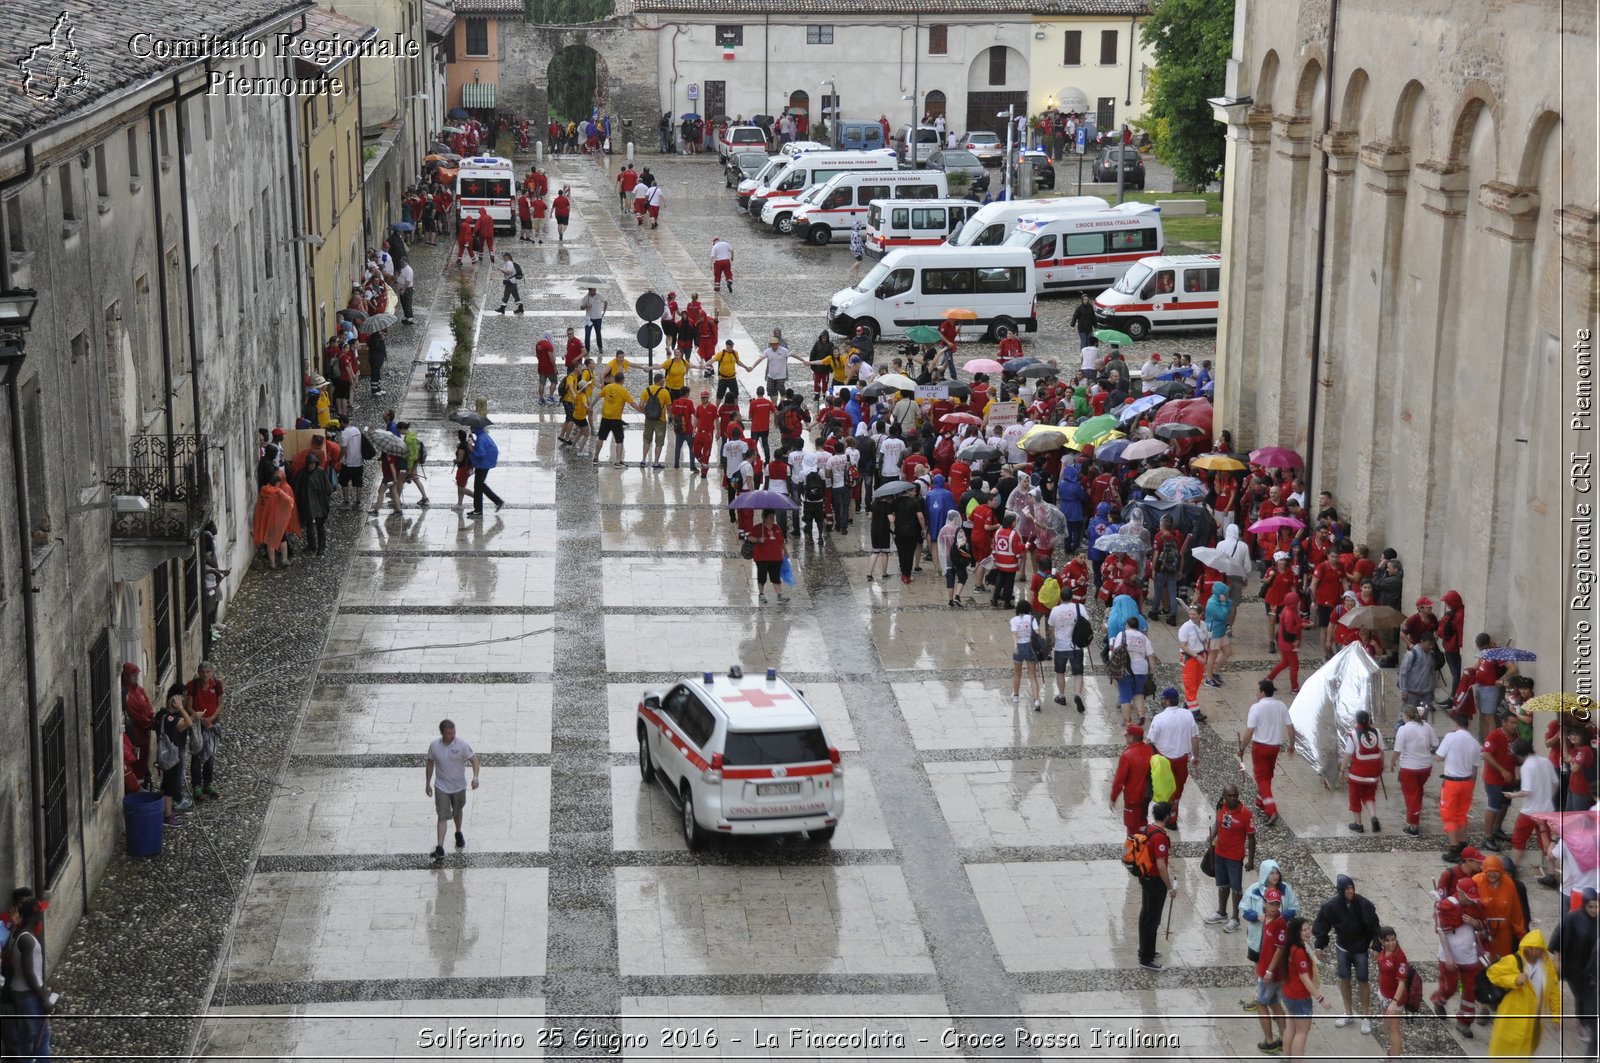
point(143, 813)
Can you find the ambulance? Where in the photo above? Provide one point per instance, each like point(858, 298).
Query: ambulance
point(1089, 250)
point(814, 168)
point(892, 224)
point(486, 182)
point(994, 221)
point(763, 175)
point(1163, 292)
point(919, 285)
point(833, 207)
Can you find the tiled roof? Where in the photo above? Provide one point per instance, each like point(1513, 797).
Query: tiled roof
point(489, 7)
point(68, 55)
point(325, 25)
point(437, 18)
point(1055, 8)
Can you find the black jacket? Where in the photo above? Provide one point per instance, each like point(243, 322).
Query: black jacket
point(1354, 924)
point(1083, 317)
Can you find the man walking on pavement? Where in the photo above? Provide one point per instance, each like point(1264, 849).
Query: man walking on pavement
point(1353, 924)
point(721, 264)
point(1233, 847)
point(1270, 966)
point(510, 274)
point(1499, 772)
point(1193, 644)
point(1267, 732)
point(1155, 882)
point(1132, 780)
point(485, 456)
point(1175, 735)
point(444, 778)
point(593, 305)
point(1459, 754)
point(1083, 321)
point(1413, 759)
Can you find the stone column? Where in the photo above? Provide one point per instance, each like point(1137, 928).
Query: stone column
point(1238, 339)
point(1339, 150)
point(1282, 334)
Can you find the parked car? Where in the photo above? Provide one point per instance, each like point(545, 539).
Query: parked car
point(1044, 174)
point(926, 138)
point(743, 165)
point(741, 138)
point(987, 146)
point(1105, 166)
point(955, 160)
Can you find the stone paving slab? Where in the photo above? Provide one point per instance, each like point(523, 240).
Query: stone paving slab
point(376, 718)
point(401, 581)
point(962, 714)
point(390, 1029)
point(468, 645)
point(444, 526)
point(774, 637)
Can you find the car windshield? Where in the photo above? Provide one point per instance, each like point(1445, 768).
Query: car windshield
point(1021, 238)
point(873, 278)
point(814, 195)
point(959, 158)
point(927, 136)
point(1131, 280)
point(775, 747)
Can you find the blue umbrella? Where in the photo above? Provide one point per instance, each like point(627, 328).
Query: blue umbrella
point(402, 226)
point(1140, 405)
point(1112, 451)
point(1118, 543)
point(1182, 489)
point(762, 500)
point(689, 117)
point(458, 112)
point(1507, 653)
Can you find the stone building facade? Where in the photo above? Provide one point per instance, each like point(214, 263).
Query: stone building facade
point(155, 221)
point(1457, 268)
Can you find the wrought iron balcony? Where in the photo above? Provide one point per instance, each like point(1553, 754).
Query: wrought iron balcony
point(169, 474)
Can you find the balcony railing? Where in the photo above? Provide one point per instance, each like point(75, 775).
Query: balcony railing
point(169, 473)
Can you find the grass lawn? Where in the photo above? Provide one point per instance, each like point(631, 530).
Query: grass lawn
point(1188, 234)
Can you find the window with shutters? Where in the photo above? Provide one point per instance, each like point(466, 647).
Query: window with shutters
point(477, 36)
point(161, 609)
point(1108, 47)
point(997, 66)
point(102, 712)
point(56, 849)
point(1072, 50)
point(939, 40)
point(819, 34)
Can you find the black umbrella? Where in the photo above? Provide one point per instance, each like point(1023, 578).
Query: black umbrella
point(1022, 363)
point(978, 452)
point(958, 391)
point(471, 419)
point(458, 112)
point(1173, 432)
point(1171, 389)
point(1194, 522)
point(1037, 372)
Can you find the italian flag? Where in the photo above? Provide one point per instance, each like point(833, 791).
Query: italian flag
point(727, 51)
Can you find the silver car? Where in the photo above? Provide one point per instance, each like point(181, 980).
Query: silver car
point(987, 146)
point(955, 160)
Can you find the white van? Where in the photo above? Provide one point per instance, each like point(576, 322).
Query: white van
point(991, 225)
point(916, 285)
point(767, 173)
point(927, 224)
point(1163, 292)
point(1089, 250)
point(485, 182)
point(814, 168)
point(834, 206)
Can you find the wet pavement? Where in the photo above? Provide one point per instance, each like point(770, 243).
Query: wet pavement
point(973, 888)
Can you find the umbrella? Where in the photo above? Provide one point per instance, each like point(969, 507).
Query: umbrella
point(1113, 451)
point(1140, 405)
point(950, 420)
point(922, 334)
point(762, 500)
point(1043, 437)
point(1154, 478)
point(1118, 543)
point(1225, 563)
point(1104, 437)
point(690, 116)
point(377, 323)
point(978, 452)
point(402, 226)
point(897, 381)
point(457, 112)
point(357, 316)
point(471, 419)
point(983, 365)
point(1178, 431)
point(1217, 463)
point(1171, 389)
point(1111, 335)
point(1182, 489)
point(438, 149)
point(958, 391)
point(1144, 448)
point(796, 110)
point(894, 487)
point(386, 442)
point(1275, 458)
point(1561, 702)
point(1197, 412)
point(1094, 428)
point(959, 313)
point(452, 129)
point(1507, 653)
point(589, 280)
point(1579, 833)
point(874, 389)
point(1014, 364)
point(1036, 372)
point(1273, 524)
point(1373, 618)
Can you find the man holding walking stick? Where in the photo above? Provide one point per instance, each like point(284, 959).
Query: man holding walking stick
point(1151, 855)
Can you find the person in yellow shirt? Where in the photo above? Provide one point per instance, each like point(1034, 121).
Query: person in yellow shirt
point(676, 371)
point(617, 367)
point(727, 362)
point(613, 397)
point(577, 391)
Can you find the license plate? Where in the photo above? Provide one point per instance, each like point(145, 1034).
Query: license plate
point(777, 789)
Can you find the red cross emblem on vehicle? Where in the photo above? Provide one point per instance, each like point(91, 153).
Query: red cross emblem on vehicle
point(759, 699)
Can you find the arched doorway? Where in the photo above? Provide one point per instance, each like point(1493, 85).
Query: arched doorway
point(997, 79)
point(800, 108)
point(934, 105)
point(577, 81)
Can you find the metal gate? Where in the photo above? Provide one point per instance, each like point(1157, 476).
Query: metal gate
point(716, 101)
point(982, 108)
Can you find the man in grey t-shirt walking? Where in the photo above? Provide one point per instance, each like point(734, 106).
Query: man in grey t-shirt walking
point(445, 780)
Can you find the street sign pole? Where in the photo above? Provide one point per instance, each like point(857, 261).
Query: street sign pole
point(1082, 142)
point(649, 307)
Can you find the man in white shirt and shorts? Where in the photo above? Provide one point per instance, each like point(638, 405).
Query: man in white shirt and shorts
point(445, 780)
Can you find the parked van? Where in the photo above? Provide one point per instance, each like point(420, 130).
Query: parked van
point(834, 206)
point(741, 138)
point(815, 167)
point(1163, 292)
point(892, 224)
point(991, 225)
point(916, 285)
point(1089, 250)
point(768, 172)
point(485, 182)
point(927, 139)
point(859, 136)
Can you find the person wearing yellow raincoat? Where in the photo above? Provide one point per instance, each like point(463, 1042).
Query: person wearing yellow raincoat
point(1533, 994)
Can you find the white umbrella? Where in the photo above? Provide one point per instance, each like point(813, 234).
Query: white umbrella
point(386, 442)
point(1229, 564)
point(897, 381)
point(1145, 448)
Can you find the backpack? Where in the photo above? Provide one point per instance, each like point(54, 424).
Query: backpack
point(368, 451)
point(422, 453)
point(518, 267)
point(1138, 854)
point(1162, 781)
point(816, 491)
point(1168, 560)
point(1082, 632)
point(1488, 993)
point(1050, 593)
point(652, 405)
point(167, 752)
point(1119, 662)
point(792, 424)
point(1413, 998)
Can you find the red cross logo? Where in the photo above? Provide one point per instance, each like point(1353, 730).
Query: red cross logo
point(757, 698)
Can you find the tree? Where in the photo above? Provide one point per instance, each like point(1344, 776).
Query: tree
point(1191, 41)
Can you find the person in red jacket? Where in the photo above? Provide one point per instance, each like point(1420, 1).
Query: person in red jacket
point(761, 408)
point(1362, 764)
point(982, 518)
point(705, 430)
point(1131, 782)
point(539, 208)
point(1452, 632)
point(705, 335)
point(682, 413)
point(1327, 586)
point(486, 232)
point(1288, 628)
point(769, 555)
point(1394, 978)
point(525, 216)
point(1275, 587)
point(1007, 552)
point(464, 231)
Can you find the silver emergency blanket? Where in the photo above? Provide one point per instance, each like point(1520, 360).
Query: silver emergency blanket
point(1326, 707)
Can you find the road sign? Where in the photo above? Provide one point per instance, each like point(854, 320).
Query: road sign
point(694, 90)
point(649, 335)
point(1083, 139)
point(649, 306)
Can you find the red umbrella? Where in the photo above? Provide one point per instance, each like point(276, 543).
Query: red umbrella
point(1275, 458)
point(951, 420)
point(1197, 412)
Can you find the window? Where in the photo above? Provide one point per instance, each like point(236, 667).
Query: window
point(34, 450)
point(56, 849)
point(316, 196)
point(928, 218)
point(775, 747)
point(16, 235)
point(191, 588)
point(1044, 248)
point(839, 197)
point(1072, 49)
point(69, 193)
point(898, 282)
point(730, 36)
point(102, 181)
point(1106, 113)
point(216, 283)
point(1008, 280)
point(1108, 47)
point(1160, 284)
point(1134, 240)
point(900, 218)
point(939, 39)
point(697, 722)
point(1085, 244)
point(166, 137)
point(255, 278)
point(204, 103)
point(953, 281)
point(161, 608)
point(1202, 280)
point(266, 230)
point(133, 153)
point(672, 705)
point(819, 34)
point(867, 193)
point(916, 192)
point(997, 66)
point(102, 712)
point(477, 36)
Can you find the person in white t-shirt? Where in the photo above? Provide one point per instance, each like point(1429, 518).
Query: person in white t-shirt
point(445, 780)
point(1022, 626)
point(1460, 755)
point(1141, 661)
point(1267, 732)
point(890, 449)
point(1089, 360)
point(1538, 782)
point(1412, 757)
point(1067, 653)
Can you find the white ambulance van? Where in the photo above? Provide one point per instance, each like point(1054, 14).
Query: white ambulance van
point(918, 285)
point(814, 168)
point(994, 221)
point(892, 224)
point(832, 208)
point(486, 182)
point(1163, 292)
point(1089, 250)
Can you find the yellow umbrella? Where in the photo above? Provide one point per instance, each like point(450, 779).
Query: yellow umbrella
point(1217, 463)
point(1045, 429)
point(1097, 440)
point(1562, 701)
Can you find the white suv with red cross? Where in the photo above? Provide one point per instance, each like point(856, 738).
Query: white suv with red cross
point(741, 755)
